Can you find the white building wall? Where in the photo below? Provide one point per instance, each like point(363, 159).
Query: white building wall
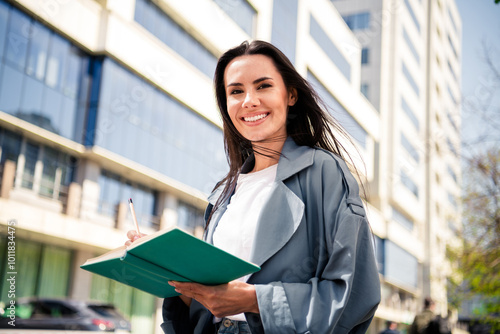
point(388, 50)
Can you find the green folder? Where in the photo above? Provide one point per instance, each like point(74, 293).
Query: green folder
point(169, 255)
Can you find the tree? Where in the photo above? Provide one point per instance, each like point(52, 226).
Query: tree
point(476, 259)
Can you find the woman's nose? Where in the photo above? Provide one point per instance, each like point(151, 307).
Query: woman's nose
point(251, 100)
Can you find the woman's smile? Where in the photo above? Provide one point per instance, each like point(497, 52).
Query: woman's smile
point(255, 118)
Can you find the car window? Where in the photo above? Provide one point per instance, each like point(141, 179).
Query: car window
point(105, 310)
point(44, 309)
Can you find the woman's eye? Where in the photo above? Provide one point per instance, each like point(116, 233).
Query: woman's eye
point(264, 85)
point(235, 91)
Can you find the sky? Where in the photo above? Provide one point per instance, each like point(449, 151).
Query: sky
point(480, 26)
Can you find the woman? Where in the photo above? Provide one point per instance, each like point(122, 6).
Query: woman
point(288, 204)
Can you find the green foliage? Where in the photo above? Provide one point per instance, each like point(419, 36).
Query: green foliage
point(477, 259)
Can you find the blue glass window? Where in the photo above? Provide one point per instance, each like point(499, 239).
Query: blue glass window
point(114, 190)
point(452, 173)
point(408, 183)
point(30, 159)
point(400, 265)
point(409, 147)
point(410, 113)
point(358, 21)
point(17, 38)
point(452, 96)
point(133, 115)
point(452, 121)
point(451, 147)
point(38, 52)
point(10, 144)
point(365, 90)
point(452, 71)
point(169, 32)
point(412, 14)
point(379, 253)
point(241, 12)
point(50, 160)
point(189, 217)
point(402, 219)
point(320, 36)
point(452, 45)
point(352, 127)
point(11, 89)
point(57, 173)
point(58, 168)
point(4, 15)
point(284, 29)
point(365, 56)
point(411, 46)
point(41, 74)
point(450, 15)
point(411, 80)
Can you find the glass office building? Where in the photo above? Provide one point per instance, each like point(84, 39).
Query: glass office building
point(101, 101)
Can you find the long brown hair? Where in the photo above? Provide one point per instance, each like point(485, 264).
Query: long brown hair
point(308, 121)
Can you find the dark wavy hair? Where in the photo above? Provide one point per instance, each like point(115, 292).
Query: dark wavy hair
point(308, 121)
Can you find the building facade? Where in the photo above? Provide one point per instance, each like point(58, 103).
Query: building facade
point(411, 74)
point(105, 100)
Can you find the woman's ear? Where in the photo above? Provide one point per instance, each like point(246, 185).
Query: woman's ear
point(292, 96)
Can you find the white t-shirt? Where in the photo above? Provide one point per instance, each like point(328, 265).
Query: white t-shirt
point(235, 231)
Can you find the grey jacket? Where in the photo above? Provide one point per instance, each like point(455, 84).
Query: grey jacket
point(315, 248)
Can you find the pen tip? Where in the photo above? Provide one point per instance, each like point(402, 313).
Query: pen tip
point(130, 200)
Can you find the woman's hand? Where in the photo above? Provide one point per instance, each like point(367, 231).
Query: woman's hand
point(132, 236)
point(221, 300)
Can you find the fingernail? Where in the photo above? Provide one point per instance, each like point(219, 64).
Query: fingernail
point(171, 283)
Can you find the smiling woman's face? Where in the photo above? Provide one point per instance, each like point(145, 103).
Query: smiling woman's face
point(257, 98)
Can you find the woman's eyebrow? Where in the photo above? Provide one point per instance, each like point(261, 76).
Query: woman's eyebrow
point(256, 81)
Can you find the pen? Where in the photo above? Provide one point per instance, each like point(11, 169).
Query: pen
point(134, 217)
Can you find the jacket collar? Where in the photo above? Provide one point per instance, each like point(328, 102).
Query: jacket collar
point(294, 158)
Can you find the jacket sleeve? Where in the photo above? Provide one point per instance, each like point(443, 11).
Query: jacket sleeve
point(344, 296)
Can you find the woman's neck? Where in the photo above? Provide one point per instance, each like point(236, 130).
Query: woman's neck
point(269, 155)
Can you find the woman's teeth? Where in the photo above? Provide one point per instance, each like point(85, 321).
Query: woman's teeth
point(254, 118)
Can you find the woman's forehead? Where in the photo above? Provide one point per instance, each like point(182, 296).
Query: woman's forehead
point(248, 66)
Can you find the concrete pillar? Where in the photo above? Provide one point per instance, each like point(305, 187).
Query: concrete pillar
point(8, 175)
point(158, 316)
point(74, 200)
point(81, 283)
point(121, 216)
point(168, 211)
point(88, 177)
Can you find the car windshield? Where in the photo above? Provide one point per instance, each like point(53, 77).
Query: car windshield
point(105, 310)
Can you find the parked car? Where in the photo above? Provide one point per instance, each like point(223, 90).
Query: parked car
point(63, 314)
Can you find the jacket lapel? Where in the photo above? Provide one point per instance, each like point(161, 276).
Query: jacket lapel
point(282, 214)
point(278, 221)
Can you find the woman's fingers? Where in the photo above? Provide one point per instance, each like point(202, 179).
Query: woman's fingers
point(132, 236)
point(222, 300)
